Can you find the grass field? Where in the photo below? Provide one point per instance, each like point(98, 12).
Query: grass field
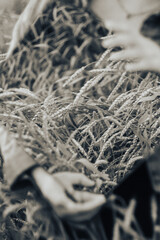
point(73, 109)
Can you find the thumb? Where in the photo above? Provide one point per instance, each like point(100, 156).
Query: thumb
point(83, 197)
point(81, 179)
point(89, 202)
point(138, 66)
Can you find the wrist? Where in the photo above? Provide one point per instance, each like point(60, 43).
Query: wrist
point(40, 177)
point(37, 173)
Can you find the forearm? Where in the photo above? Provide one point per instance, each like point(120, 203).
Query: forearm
point(32, 11)
point(30, 14)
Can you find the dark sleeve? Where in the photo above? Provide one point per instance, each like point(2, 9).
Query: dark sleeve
point(16, 160)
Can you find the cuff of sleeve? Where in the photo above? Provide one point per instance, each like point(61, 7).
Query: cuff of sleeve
point(16, 160)
point(23, 179)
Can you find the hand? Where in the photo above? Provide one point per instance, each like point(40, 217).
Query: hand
point(58, 189)
point(26, 19)
point(142, 53)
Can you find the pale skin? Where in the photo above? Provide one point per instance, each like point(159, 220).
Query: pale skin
point(58, 189)
point(32, 11)
point(68, 203)
point(142, 53)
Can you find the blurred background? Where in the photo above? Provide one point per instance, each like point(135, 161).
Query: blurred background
point(9, 13)
point(15, 6)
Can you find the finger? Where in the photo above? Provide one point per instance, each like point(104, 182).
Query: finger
point(83, 196)
point(68, 209)
point(116, 26)
point(117, 41)
point(83, 216)
point(72, 211)
point(84, 211)
point(73, 179)
point(138, 66)
point(81, 179)
point(70, 192)
point(128, 54)
point(95, 202)
point(77, 216)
